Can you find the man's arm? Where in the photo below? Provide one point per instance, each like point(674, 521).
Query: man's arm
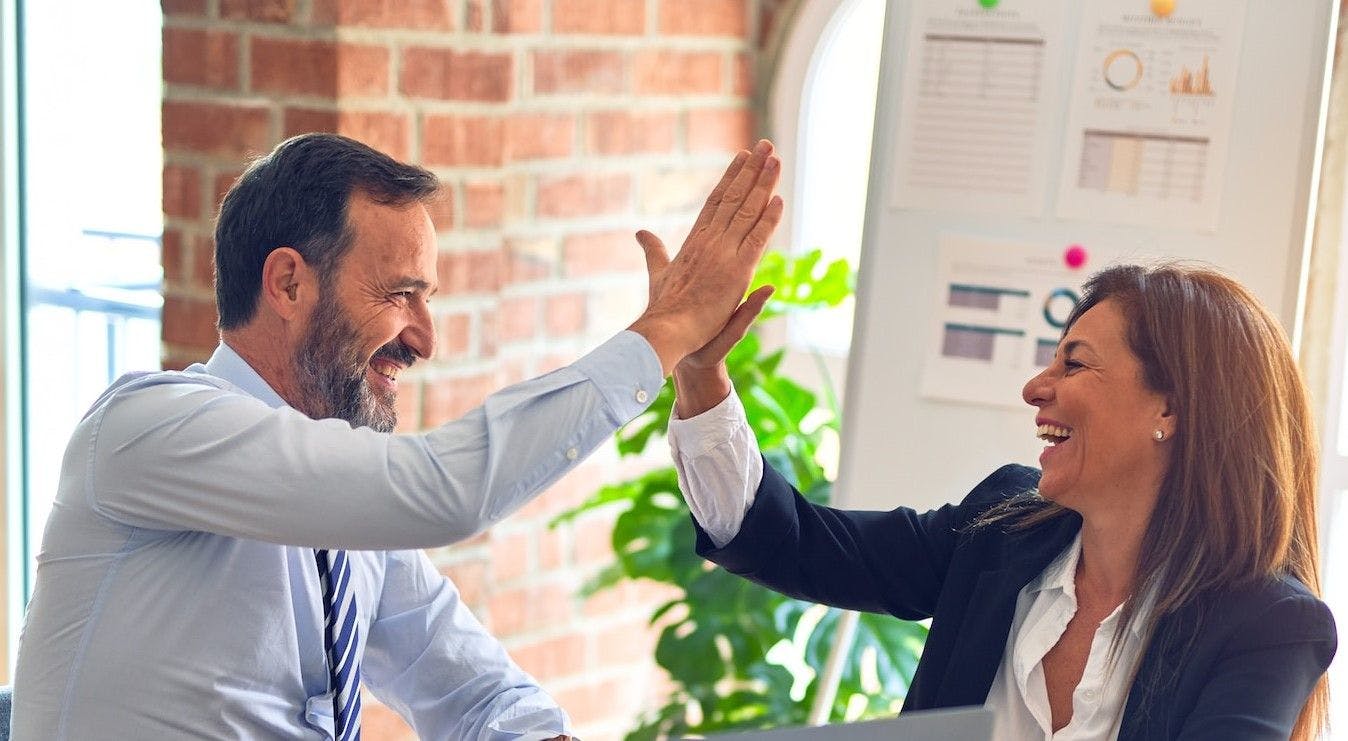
point(430, 660)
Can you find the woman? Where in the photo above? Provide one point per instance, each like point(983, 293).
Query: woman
point(1158, 579)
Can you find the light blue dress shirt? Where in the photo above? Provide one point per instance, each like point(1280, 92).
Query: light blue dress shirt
point(177, 595)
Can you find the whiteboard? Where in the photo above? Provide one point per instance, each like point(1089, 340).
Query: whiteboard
point(903, 447)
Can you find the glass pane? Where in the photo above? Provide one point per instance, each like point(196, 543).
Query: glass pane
point(838, 111)
point(91, 184)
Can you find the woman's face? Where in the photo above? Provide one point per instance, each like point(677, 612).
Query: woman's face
point(1099, 419)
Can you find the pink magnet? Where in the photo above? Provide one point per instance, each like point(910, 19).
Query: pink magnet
point(1075, 256)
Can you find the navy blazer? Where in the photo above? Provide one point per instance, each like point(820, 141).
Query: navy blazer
point(1234, 665)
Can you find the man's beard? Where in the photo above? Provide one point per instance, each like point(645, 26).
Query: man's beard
point(331, 372)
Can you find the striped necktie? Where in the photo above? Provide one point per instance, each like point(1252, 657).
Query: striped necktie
point(341, 636)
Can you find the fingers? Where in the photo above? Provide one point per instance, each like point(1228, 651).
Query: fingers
point(657, 257)
point(756, 241)
point(743, 185)
point(738, 324)
point(714, 200)
point(755, 203)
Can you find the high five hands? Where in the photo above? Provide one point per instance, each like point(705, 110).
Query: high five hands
point(697, 310)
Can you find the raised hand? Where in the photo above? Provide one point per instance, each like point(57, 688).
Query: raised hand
point(694, 295)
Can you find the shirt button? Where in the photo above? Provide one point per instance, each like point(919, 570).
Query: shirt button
point(572, 454)
point(642, 396)
point(1089, 695)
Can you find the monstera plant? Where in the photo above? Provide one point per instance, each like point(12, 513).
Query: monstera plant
point(741, 656)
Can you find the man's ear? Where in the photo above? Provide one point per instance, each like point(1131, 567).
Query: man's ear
point(287, 283)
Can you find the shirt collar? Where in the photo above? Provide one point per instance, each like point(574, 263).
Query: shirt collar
point(227, 364)
point(1061, 574)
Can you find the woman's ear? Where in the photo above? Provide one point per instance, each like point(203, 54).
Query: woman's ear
point(287, 283)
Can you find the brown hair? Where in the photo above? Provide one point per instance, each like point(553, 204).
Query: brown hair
point(1238, 500)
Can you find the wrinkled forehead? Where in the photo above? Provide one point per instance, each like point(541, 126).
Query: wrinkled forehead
point(390, 239)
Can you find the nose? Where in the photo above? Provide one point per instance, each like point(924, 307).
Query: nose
point(419, 334)
point(1038, 391)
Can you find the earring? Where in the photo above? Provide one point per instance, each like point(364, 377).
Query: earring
point(1159, 435)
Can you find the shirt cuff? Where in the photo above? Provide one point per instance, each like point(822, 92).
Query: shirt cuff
point(719, 466)
point(626, 371)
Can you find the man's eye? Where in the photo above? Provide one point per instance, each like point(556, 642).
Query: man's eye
point(1072, 365)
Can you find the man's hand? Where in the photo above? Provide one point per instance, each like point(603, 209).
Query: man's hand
point(701, 380)
point(694, 296)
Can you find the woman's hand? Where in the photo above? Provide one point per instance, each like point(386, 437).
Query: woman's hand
point(701, 380)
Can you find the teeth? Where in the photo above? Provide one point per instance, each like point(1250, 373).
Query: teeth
point(1053, 433)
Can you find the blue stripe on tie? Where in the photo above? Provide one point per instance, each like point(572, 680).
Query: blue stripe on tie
point(339, 609)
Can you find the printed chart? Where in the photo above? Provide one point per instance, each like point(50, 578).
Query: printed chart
point(1150, 115)
point(999, 314)
point(976, 102)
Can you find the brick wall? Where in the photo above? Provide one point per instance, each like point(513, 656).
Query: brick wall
point(558, 127)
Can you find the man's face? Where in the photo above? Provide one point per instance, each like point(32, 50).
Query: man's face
point(372, 319)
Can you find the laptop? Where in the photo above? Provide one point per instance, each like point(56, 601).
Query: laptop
point(951, 724)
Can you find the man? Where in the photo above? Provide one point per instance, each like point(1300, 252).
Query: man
point(226, 556)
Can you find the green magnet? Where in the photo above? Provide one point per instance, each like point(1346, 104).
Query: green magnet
point(989, 4)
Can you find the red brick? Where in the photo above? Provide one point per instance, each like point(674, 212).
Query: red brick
point(189, 321)
point(377, 721)
point(517, 16)
point(455, 336)
point(532, 136)
point(441, 210)
point(517, 319)
point(203, 261)
point(578, 71)
point(572, 489)
point(565, 315)
point(390, 133)
point(608, 252)
point(266, 11)
point(177, 360)
point(321, 68)
point(744, 77)
point(469, 272)
point(593, 540)
point(631, 598)
point(632, 642)
point(720, 129)
point(183, 7)
point(483, 205)
point(173, 255)
point(583, 195)
point(203, 58)
point(623, 132)
point(529, 260)
point(677, 191)
point(182, 191)
point(223, 182)
point(551, 658)
point(677, 73)
point(599, 16)
point(511, 556)
point(462, 140)
point(513, 611)
point(444, 399)
point(598, 700)
point(419, 15)
point(471, 579)
point(446, 74)
point(552, 547)
point(234, 131)
point(408, 404)
point(703, 18)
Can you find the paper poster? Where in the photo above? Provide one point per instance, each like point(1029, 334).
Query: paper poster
point(1149, 120)
point(978, 99)
point(1000, 310)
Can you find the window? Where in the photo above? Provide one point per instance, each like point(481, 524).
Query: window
point(90, 179)
point(823, 111)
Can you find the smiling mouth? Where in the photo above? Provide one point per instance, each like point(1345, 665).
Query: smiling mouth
point(1053, 434)
point(386, 369)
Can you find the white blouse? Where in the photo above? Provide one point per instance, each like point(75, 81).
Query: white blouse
point(719, 470)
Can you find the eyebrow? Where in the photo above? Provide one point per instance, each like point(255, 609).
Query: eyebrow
point(1074, 345)
point(414, 283)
